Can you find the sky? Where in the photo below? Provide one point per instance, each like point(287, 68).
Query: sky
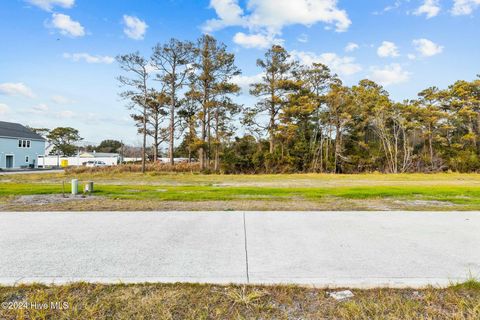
point(58, 68)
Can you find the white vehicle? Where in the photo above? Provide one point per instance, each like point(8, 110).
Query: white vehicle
point(93, 163)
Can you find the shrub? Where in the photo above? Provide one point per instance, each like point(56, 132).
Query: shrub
point(150, 167)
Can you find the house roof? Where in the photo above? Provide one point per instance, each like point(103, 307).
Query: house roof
point(98, 155)
point(16, 130)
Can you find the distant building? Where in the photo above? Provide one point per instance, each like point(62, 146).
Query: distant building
point(175, 160)
point(19, 146)
point(110, 159)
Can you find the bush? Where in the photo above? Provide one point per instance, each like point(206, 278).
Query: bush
point(150, 167)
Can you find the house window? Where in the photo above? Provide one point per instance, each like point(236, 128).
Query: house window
point(24, 143)
point(26, 159)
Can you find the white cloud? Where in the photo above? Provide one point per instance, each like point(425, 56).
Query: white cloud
point(430, 8)
point(351, 46)
point(427, 48)
point(4, 109)
point(244, 82)
point(269, 17)
point(67, 26)
point(150, 68)
point(303, 38)
point(388, 49)
point(44, 110)
point(229, 12)
point(255, 40)
point(62, 100)
point(389, 75)
point(134, 27)
point(66, 114)
point(88, 58)
point(344, 66)
point(464, 7)
point(16, 89)
point(48, 5)
point(40, 108)
point(388, 8)
point(411, 56)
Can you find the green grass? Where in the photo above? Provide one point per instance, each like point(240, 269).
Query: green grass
point(194, 301)
point(363, 191)
point(454, 194)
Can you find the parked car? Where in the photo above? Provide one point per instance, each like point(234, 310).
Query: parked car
point(93, 163)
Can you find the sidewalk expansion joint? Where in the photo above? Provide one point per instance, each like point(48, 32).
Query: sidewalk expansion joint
point(246, 246)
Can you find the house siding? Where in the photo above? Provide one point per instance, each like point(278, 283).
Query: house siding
point(9, 146)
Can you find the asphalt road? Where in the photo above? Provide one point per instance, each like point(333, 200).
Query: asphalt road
point(335, 249)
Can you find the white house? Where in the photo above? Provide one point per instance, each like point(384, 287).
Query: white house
point(19, 146)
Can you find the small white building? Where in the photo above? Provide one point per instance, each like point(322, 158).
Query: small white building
point(110, 159)
point(175, 160)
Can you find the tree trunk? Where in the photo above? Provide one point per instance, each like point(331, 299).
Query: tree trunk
point(217, 159)
point(172, 134)
point(321, 154)
point(172, 115)
point(217, 141)
point(201, 150)
point(430, 145)
point(209, 139)
point(338, 148)
point(155, 148)
point(272, 133)
point(477, 130)
point(144, 145)
point(272, 115)
point(155, 135)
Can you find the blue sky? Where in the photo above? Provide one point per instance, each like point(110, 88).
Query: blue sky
point(57, 66)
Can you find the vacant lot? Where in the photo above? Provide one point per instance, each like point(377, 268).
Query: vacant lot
point(185, 301)
point(162, 191)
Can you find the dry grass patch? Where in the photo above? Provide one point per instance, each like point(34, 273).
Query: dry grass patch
point(188, 301)
point(261, 180)
point(43, 203)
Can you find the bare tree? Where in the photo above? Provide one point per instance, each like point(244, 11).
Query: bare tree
point(157, 103)
point(391, 126)
point(137, 93)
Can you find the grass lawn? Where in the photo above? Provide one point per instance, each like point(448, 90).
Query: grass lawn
point(158, 191)
point(188, 301)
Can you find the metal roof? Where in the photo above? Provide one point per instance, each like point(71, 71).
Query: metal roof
point(98, 155)
point(18, 131)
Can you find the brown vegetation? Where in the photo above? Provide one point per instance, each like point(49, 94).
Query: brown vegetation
point(187, 301)
point(150, 167)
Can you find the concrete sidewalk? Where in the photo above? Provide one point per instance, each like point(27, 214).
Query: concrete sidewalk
point(336, 249)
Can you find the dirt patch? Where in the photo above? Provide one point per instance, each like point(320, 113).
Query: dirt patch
point(107, 204)
point(424, 203)
point(46, 199)
point(96, 203)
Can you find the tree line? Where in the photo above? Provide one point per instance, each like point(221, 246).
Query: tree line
point(65, 141)
point(304, 119)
